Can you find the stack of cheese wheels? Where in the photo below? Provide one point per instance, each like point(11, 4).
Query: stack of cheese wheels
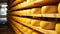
point(23, 4)
point(57, 28)
point(49, 9)
point(47, 25)
point(36, 11)
point(35, 22)
point(59, 8)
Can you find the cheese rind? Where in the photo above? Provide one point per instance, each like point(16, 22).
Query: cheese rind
point(57, 28)
point(59, 8)
point(49, 9)
point(47, 25)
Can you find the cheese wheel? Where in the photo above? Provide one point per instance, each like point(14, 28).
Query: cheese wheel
point(28, 11)
point(28, 21)
point(47, 25)
point(49, 9)
point(36, 11)
point(34, 33)
point(59, 8)
point(25, 29)
point(29, 31)
point(35, 22)
point(23, 20)
point(57, 28)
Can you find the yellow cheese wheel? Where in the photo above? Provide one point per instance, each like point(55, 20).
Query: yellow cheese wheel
point(47, 25)
point(59, 8)
point(35, 22)
point(36, 11)
point(34, 33)
point(29, 31)
point(25, 29)
point(28, 11)
point(57, 28)
point(23, 20)
point(28, 21)
point(49, 9)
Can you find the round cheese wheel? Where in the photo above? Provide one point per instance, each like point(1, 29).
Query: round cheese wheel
point(36, 11)
point(47, 25)
point(29, 31)
point(35, 22)
point(28, 11)
point(57, 28)
point(49, 9)
point(59, 8)
point(25, 29)
point(28, 21)
point(34, 33)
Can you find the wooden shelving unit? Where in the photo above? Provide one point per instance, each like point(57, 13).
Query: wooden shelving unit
point(36, 4)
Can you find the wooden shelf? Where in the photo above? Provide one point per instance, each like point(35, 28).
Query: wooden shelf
point(36, 3)
point(40, 15)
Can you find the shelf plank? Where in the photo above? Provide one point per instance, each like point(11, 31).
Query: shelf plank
point(35, 4)
point(35, 28)
point(39, 15)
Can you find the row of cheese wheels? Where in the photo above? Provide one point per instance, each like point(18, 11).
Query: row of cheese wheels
point(37, 23)
point(29, 3)
point(14, 2)
point(43, 10)
point(21, 3)
point(22, 28)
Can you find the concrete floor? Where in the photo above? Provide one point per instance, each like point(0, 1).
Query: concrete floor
point(4, 29)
